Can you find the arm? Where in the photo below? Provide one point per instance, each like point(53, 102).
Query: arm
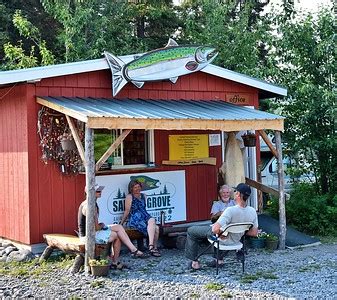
point(98, 226)
point(128, 202)
point(252, 232)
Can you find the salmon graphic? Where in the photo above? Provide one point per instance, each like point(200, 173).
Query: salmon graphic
point(148, 183)
point(169, 63)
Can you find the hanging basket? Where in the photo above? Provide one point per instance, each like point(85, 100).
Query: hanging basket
point(68, 145)
point(249, 140)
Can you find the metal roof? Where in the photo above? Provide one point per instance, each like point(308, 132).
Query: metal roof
point(267, 90)
point(163, 114)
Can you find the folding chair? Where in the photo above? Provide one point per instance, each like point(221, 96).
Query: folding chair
point(219, 244)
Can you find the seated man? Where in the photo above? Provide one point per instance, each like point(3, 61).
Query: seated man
point(224, 201)
point(114, 233)
point(235, 214)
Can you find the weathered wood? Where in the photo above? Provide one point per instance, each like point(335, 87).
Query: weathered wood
point(64, 242)
point(78, 263)
point(186, 162)
point(262, 187)
point(76, 138)
point(46, 253)
point(268, 142)
point(112, 148)
point(282, 211)
point(183, 124)
point(91, 196)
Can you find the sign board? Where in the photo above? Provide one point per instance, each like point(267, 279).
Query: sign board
point(188, 146)
point(238, 99)
point(165, 191)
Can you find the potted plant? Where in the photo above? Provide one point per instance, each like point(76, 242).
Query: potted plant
point(67, 141)
point(99, 267)
point(271, 241)
point(259, 241)
point(249, 139)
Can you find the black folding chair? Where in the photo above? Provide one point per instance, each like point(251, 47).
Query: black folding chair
point(219, 244)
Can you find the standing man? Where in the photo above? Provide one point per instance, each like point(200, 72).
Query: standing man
point(235, 214)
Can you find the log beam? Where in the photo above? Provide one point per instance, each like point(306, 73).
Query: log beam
point(76, 138)
point(268, 142)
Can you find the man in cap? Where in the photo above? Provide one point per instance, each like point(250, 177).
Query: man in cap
point(239, 213)
point(114, 234)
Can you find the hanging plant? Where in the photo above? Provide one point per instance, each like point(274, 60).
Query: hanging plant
point(249, 139)
point(53, 129)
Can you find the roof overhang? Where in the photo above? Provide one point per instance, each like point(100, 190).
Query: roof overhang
point(266, 89)
point(163, 114)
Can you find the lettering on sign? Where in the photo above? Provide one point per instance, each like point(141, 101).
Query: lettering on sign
point(188, 146)
point(238, 99)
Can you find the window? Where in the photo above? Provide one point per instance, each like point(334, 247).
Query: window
point(136, 149)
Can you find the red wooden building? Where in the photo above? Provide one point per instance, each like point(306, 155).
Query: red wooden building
point(36, 198)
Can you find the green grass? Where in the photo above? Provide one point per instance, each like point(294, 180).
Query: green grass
point(33, 268)
point(213, 286)
point(330, 239)
point(97, 283)
point(226, 295)
point(310, 268)
point(250, 278)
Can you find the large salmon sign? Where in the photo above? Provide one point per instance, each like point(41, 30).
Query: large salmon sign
point(160, 64)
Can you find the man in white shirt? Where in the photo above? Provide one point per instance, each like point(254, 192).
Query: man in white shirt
point(235, 214)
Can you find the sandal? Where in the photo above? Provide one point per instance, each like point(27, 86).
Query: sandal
point(154, 252)
point(117, 266)
point(138, 254)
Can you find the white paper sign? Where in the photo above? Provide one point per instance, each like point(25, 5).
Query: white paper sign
point(214, 139)
point(165, 191)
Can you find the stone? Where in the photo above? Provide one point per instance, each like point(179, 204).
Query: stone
point(9, 249)
point(20, 256)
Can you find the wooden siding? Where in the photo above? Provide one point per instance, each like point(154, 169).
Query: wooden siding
point(14, 197)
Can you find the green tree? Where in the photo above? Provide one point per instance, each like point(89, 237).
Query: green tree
point(305, 52)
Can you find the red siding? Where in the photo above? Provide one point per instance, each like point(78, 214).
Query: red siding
point(14, 199)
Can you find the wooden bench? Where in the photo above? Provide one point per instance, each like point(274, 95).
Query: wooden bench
point(70, 244)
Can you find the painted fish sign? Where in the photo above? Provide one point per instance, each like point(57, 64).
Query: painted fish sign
point(161, 64)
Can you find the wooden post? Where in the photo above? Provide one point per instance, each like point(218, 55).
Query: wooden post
point(282, 209)
point(91, 196)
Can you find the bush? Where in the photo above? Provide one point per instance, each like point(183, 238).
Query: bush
point(307, 211)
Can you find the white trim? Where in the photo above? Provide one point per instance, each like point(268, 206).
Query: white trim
point(38, 73)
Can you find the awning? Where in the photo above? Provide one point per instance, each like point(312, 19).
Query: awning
point(163, 114)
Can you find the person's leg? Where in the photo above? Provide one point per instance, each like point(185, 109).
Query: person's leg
point(115, 246)
point(151, 230)
point(195, 236)
point(122, 235)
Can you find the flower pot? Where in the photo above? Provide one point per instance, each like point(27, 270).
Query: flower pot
point(249, 140)
point(257, 243)
point(99, 270)
point(68, 145)
point(271, 244)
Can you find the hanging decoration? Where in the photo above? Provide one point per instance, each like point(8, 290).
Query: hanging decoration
point(57, 142)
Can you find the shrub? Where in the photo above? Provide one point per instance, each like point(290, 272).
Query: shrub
point(307, 211)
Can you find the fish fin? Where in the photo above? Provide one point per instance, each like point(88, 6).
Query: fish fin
point(138, 84)
point(116, 66)
point(171, 43)
point(115, 63)
point(174, 79)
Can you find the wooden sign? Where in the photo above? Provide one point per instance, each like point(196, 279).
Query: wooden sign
point(238, 99)
point(188, 146)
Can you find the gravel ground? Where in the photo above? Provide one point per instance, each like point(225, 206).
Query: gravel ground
point(302, 273)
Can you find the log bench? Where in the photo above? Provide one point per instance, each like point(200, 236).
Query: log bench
point(70, 244)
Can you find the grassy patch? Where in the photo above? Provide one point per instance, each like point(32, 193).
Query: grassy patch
point(310, 268)
point(97, 284)
point(330, 239)
point(194, 295)
point(250, 278)
point(213, 286)
point(227, 295)
point(33, 268)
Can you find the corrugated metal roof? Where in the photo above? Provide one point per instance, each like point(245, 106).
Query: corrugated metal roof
point(159, 109)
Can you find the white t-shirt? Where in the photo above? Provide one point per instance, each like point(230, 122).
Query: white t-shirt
point(237, 214)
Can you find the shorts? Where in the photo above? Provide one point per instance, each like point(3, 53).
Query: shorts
point(101, 237)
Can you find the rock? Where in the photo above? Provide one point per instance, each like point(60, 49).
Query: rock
point(19, 256)
point(9, 249)
point(5, 245)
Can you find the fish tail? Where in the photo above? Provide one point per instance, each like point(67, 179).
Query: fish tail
point(118, 79)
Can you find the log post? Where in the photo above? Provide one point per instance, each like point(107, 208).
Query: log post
point(282, 210)
point(91, 195)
